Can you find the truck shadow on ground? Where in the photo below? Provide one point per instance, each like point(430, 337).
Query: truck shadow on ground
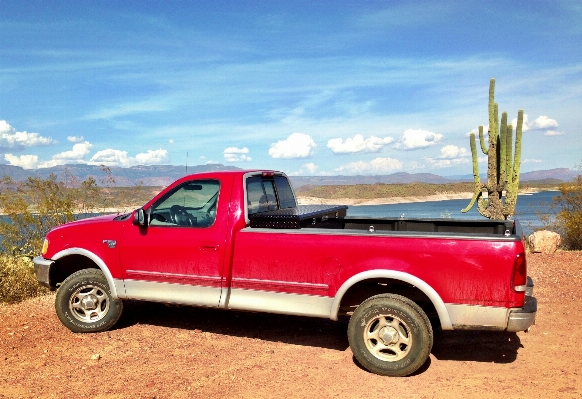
point(476, 346)
point(296, 330)
point(479, 346)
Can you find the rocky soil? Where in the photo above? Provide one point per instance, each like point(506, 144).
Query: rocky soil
point(179, 352)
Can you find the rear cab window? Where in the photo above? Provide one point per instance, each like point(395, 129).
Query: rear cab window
point(268, 193)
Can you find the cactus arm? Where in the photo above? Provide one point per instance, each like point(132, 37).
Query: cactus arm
point(508, 155)
point(483, 208)
point(476, 178)
point(476, 196)
point(492, 154)
point(513, 187)
point(482, 140)
point(502, 152)
point(491, 109)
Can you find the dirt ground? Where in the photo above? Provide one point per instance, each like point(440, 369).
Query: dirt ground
point(180, 352)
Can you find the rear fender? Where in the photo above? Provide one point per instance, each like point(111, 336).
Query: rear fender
point(434, 297)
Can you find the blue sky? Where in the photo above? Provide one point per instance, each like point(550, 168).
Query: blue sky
point(310, 88)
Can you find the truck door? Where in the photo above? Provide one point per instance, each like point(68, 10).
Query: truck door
point(178, 256)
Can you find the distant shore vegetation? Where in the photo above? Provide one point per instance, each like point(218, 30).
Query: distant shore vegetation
point(382, 190)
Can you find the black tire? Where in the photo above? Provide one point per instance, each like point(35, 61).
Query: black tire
point(84, 303)
point(390, 335)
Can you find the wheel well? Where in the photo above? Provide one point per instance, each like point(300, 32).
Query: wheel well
point(363, 290)
point(68, 265)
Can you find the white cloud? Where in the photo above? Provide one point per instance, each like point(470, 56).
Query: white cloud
point(415, 139)
point(446, 163)
point(378, 165)
point(527, 160)
point(297, 145)
point(543, 122)
point(24, 161)
point(152, 157)
point(306, 169)
point(234, 154)
point(75, 139)
point(358, 144)
point(452, 151)
point(553, 133)
point(111, 157)
point(310, 167)
point(415, 165)
point(171, 141)
point(79, 151)
point(10, 139)
point(76, 155)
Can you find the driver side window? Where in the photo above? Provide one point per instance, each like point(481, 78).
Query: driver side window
point(192, 204)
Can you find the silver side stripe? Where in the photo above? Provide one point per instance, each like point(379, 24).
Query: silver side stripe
point(266, 285)
point(175, 277)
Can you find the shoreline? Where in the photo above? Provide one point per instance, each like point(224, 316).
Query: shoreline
point(303, 200)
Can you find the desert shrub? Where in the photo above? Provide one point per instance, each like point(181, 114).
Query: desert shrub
point(33, 207)
point(569, 217)
point(17, 279)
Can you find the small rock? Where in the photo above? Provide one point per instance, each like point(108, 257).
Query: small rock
point(95, 356)
point(544, 241)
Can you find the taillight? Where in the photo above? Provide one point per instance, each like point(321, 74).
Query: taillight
point(268, 174)
point(519, 277)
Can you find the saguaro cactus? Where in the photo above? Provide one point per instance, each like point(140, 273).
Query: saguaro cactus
point(502, 167)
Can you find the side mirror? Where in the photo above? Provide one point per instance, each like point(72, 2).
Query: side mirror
point(139, 218)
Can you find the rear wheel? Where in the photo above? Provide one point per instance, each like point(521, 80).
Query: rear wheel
point(84, 302)
point(390, 335)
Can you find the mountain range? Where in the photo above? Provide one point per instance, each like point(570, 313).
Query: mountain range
point(162, 175)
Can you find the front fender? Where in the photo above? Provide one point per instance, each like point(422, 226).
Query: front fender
point(117, 286)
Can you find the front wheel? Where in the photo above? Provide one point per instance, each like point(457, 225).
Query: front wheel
point(390, 335)
point(84, 302)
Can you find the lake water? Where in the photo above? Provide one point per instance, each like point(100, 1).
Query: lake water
point(526, 210)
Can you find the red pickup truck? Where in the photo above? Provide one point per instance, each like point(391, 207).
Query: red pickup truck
point(238, 240)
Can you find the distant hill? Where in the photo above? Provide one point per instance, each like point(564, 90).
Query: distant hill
point(549, 176)
point(152, 175)
point(563, 174)
point(162, 175)
point(400, 177)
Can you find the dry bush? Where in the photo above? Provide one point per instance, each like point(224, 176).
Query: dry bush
point(569, 217)
point(17, 279)
point(35, 206)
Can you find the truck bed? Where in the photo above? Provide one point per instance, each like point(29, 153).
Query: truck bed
point(333, 217)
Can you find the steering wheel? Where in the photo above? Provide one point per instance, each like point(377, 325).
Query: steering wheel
point(181, 217)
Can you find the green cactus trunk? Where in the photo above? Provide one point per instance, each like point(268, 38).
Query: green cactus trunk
point(502, 167)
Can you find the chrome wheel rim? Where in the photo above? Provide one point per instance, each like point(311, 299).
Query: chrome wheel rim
point(388, 338)
point(89, 304)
